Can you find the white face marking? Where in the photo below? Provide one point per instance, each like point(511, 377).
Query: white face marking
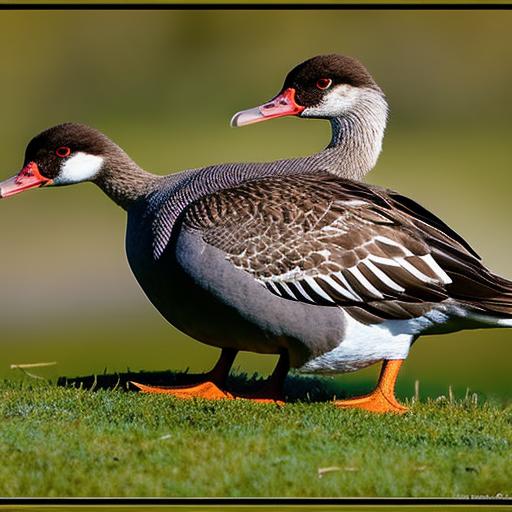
point(337, 101)
point(79, 167)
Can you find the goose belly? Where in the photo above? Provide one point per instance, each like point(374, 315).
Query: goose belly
point(363, 345)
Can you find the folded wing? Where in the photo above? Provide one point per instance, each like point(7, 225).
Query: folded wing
point(332, 242)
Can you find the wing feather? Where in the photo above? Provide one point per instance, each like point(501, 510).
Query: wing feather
point(332, 242)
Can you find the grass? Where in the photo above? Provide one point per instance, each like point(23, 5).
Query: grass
point(70, 441)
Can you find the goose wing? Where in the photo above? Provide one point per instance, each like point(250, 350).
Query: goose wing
point(328, 241)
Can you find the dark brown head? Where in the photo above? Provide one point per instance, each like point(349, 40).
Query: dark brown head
point(325, 86)
point(65, 154)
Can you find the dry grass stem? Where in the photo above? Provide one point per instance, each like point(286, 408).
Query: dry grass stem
point(330, 469)
point(31, 365)
point(416, 391)
point(451, 398)
point(23, 368)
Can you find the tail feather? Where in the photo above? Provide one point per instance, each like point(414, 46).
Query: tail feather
point(474, 285)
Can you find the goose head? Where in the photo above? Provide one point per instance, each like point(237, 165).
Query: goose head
point(63, 155)
point(324, 87)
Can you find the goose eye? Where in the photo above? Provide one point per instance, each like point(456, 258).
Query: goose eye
point(323, 83)
point(63, 152)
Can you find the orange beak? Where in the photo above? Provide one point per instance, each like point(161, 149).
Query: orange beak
point(28, 177)
point(283, 104)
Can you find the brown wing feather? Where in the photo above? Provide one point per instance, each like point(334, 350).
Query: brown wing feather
point(329, 241)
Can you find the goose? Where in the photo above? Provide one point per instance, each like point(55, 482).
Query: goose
point(340, 89)
point(332, 274)
point(334, 87)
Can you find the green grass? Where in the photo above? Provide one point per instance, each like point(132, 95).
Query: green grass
point(67, 441)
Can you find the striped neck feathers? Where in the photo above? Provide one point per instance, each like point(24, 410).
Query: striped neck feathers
point(124, 181)
point(357, 138)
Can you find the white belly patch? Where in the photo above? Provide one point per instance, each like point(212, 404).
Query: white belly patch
point(364, 345)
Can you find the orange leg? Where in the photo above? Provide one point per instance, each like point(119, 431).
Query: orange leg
point(382, 398)
point(272, 391)
point(209, 385)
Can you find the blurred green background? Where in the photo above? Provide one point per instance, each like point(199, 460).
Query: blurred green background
point(164, 86)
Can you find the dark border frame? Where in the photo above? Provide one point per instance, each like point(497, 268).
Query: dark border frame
point(151, 6)
point(470, 501)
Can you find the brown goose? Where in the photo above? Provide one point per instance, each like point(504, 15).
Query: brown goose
point(333, 87)
point(332, 274)
point(340, 89)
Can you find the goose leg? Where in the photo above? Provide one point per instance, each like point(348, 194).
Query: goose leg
point(209, 385)
point(272, 391)
point(382, 398)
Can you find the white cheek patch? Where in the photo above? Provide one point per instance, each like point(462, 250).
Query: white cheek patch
point(80, 167)
point(336, 102)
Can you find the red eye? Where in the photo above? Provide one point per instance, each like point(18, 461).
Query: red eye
point(323, 83)
point(63, 152)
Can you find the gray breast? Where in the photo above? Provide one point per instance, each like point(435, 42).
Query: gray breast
point(201, 293)
point(224, 306)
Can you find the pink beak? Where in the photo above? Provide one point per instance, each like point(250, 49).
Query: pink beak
point(28, 177)
point(282, 105)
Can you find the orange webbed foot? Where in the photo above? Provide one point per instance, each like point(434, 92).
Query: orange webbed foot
point(382, 399)
point(376, 402)
point(207, 390)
